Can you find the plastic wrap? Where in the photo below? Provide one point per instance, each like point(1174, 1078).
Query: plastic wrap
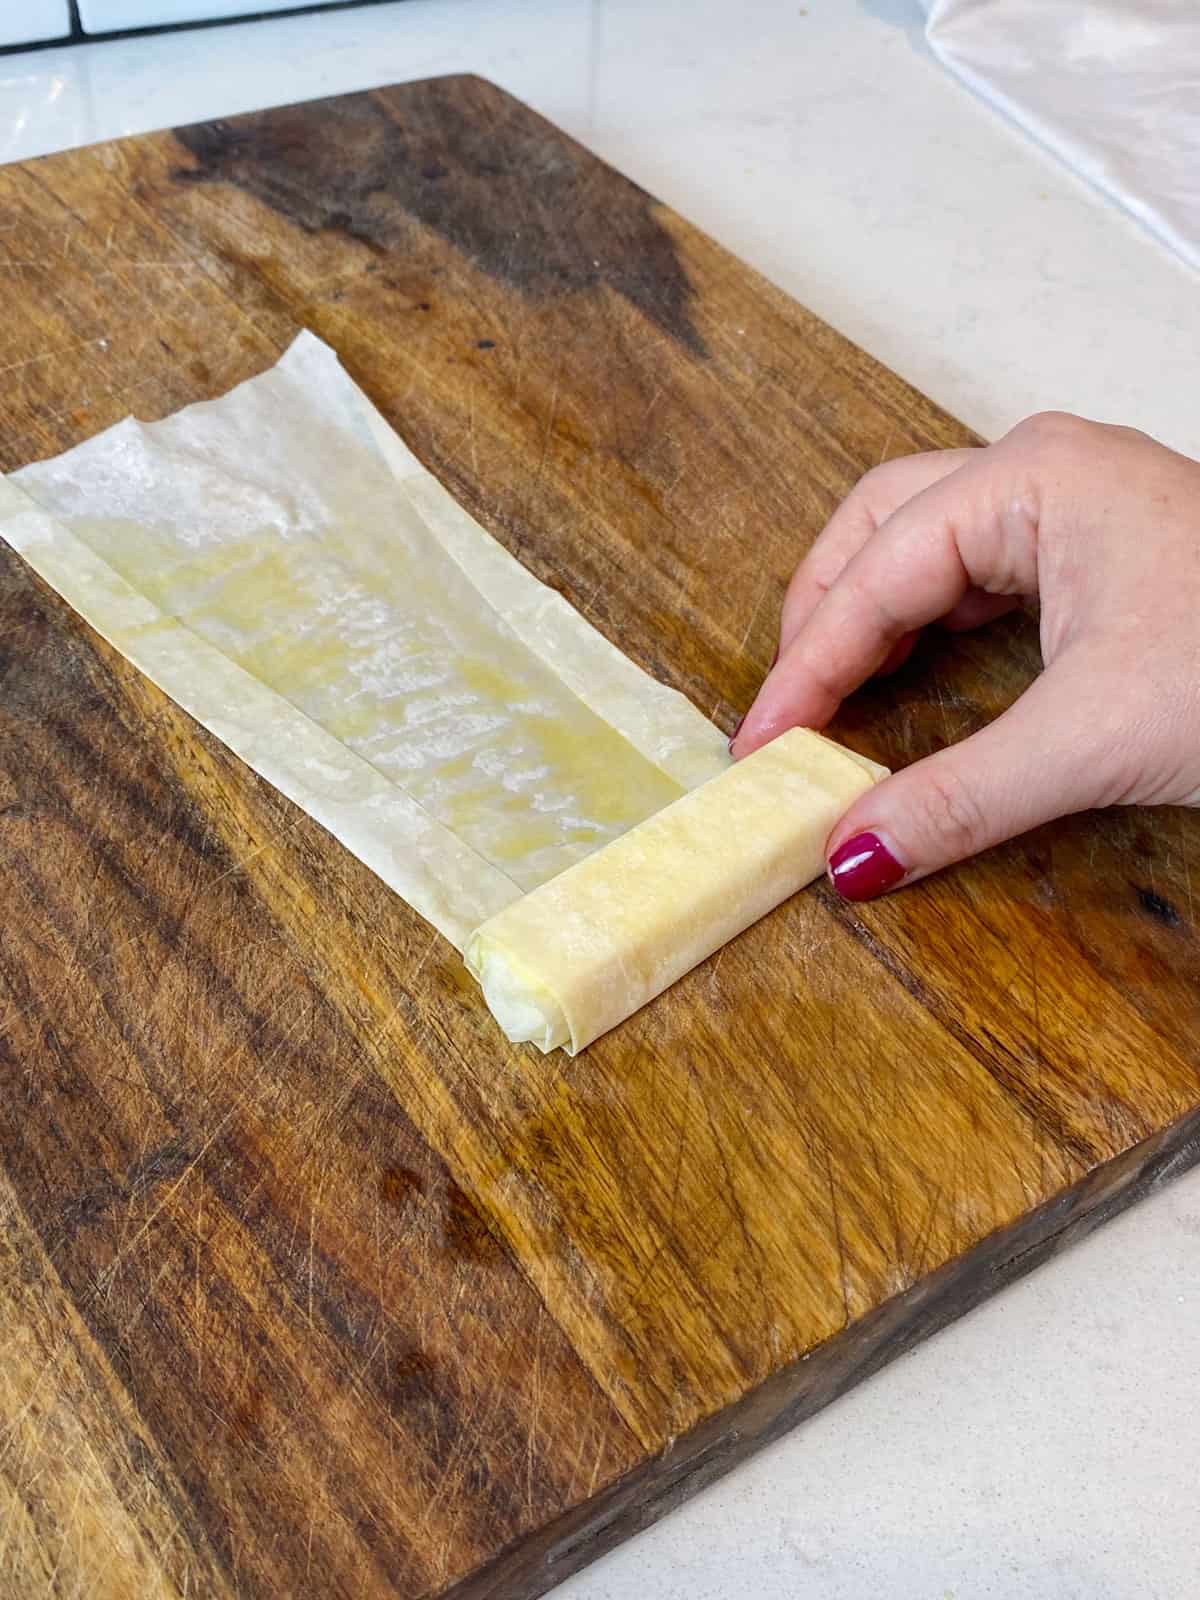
point(1111, 86)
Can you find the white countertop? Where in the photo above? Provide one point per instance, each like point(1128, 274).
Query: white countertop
point(1047, 1447)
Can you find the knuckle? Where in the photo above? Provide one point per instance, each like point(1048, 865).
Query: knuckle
point(951, 816)
point(870, 494)
point(875, 478)
point(821, 672)
point(1054, 432)
point(889, 484)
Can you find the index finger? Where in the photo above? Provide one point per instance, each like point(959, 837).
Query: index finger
point(967, 530)
point(861, 514)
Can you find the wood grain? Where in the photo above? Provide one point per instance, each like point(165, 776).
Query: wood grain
point(309, 1284)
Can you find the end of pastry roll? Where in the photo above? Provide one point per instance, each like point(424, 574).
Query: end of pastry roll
point(525, 1009)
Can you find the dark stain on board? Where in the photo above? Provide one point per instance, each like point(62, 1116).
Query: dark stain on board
point(1155, 906)
point(503, 187)
point(463, 1229)
point(400, 1187)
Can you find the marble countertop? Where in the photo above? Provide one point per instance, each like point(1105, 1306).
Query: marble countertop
point(1046, 1447)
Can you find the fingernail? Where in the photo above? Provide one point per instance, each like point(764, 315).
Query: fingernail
point(735, 733)
point(864, 867)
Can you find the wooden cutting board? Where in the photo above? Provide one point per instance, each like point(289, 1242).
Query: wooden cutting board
point(309, 1284)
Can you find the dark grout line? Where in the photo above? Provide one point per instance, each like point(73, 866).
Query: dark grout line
point(78, 36)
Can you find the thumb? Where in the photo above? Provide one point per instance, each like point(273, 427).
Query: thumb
point(1053, 752)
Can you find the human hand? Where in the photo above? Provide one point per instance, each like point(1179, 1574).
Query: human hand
point(1102, 524)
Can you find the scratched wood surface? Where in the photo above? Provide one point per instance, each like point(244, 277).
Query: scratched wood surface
point(309, 1284)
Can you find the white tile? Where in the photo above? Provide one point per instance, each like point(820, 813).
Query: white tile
point(30, 21)
point(537, 49)
point(824, 144)
point(44, 102)
point(97, 16)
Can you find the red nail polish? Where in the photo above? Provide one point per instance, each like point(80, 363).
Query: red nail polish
point(864, 867)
